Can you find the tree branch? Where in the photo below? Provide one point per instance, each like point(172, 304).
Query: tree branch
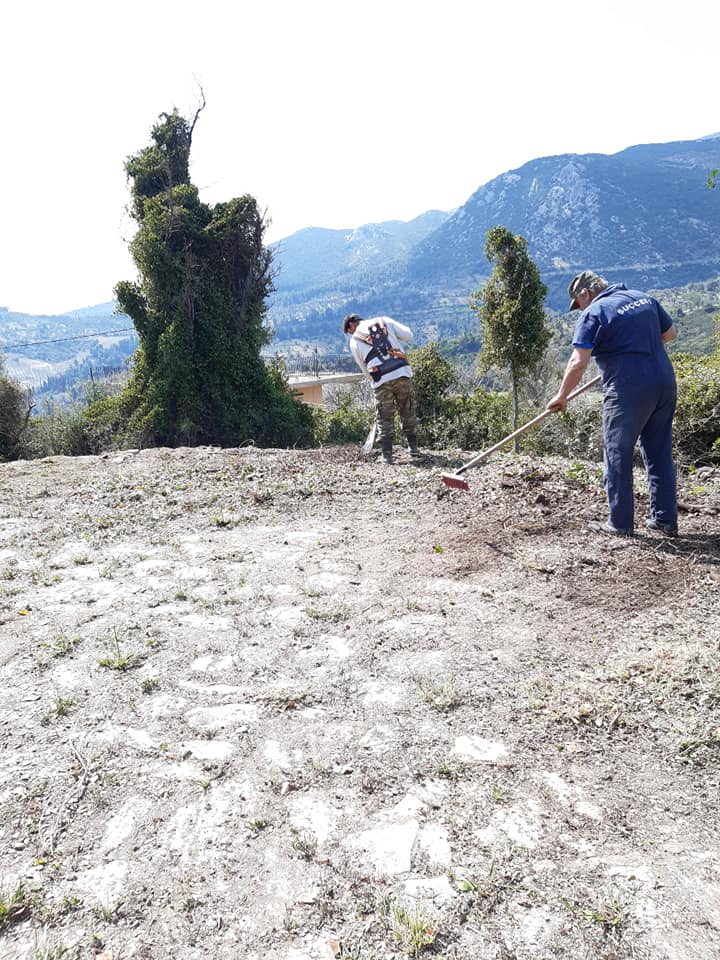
point(197, 114)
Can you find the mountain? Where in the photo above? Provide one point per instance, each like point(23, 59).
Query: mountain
point(58, 328)
point(643, 215)
point(39, 348)
point(315, 257)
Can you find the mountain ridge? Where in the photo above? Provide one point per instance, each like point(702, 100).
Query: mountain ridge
point(642, 215)
point(644, 212)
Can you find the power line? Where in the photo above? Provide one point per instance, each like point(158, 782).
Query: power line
point(84, 336)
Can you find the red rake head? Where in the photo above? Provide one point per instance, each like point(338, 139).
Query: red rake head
point(454, 480)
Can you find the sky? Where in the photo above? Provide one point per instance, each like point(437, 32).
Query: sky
point(331, 114)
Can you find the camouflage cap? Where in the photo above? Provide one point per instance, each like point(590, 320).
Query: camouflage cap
point(351, 318)
point(580, 282)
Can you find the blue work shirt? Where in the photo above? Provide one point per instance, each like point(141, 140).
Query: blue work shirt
point(624, 328)
point(621, 321)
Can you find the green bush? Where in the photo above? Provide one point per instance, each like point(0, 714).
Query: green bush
point(446, 419)
point(578, 432)
point(470, 421)
point(106, 425)
point(61, 432)
point(347, 423)
point(480, 418)
point(696, 429)
point(288, 422)
point(697, 417)
point(434, 378)
point(14, 413)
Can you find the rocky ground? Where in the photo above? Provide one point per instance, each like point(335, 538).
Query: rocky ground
point(296, 706)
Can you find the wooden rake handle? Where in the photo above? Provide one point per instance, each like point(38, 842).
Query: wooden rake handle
point(525, 427)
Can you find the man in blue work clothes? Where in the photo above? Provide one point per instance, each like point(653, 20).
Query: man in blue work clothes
point(626, 332)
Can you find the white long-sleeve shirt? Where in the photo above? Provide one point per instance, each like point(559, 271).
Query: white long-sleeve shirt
point(398, 335)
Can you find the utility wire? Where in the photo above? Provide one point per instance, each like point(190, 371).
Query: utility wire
point(84, 336)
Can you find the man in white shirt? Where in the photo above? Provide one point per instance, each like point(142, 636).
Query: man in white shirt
point(377, 345)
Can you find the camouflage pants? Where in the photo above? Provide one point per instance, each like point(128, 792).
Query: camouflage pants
point(395, 393)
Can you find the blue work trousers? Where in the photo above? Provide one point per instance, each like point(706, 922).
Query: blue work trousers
point(639, 395)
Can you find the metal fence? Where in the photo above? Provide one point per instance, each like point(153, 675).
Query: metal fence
point(315, 364)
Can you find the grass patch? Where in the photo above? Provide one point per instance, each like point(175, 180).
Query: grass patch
point(610, 916)
point(442, 696)
point(117, 660)
point(14, 907)
point(703, 737)
point(62, 645)
point(56, 952)
point(335, 614)
point(304, 843)
point(257, 825)
point(414, 929)
point(62, 706)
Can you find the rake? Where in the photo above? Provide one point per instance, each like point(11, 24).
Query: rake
point(460, 483)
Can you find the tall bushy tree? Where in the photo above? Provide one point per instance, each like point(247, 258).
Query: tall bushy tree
point(510, 309)
point(199, 309)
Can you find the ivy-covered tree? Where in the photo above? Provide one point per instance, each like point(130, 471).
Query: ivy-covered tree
point(510, 309)
point(199, 308)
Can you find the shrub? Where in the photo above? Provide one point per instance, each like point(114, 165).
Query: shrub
point(109, 422)
point(470, 421)
point(697, 417)
point(14, 416)
point(347, 423)
point(77, 430)
point(577, 432)
point(288, 422)
point(434, 377)
point(696, 429)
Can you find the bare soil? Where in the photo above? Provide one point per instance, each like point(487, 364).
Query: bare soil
point(298, 705)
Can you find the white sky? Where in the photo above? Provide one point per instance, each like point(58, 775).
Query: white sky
point(332, 114)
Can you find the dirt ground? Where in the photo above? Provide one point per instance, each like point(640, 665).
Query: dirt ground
point(301, 706)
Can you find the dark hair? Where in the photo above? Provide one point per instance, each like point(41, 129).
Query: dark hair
point(351, 318)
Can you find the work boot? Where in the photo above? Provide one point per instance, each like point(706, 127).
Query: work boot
point(597, 527)
point(412, 445)
point(386, 455)
point(669, 529)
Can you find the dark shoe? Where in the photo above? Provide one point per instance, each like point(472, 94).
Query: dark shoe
point(414, 452)
point(412, 445)
point(668, 529)
point(386, 457)
point(597, 527)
